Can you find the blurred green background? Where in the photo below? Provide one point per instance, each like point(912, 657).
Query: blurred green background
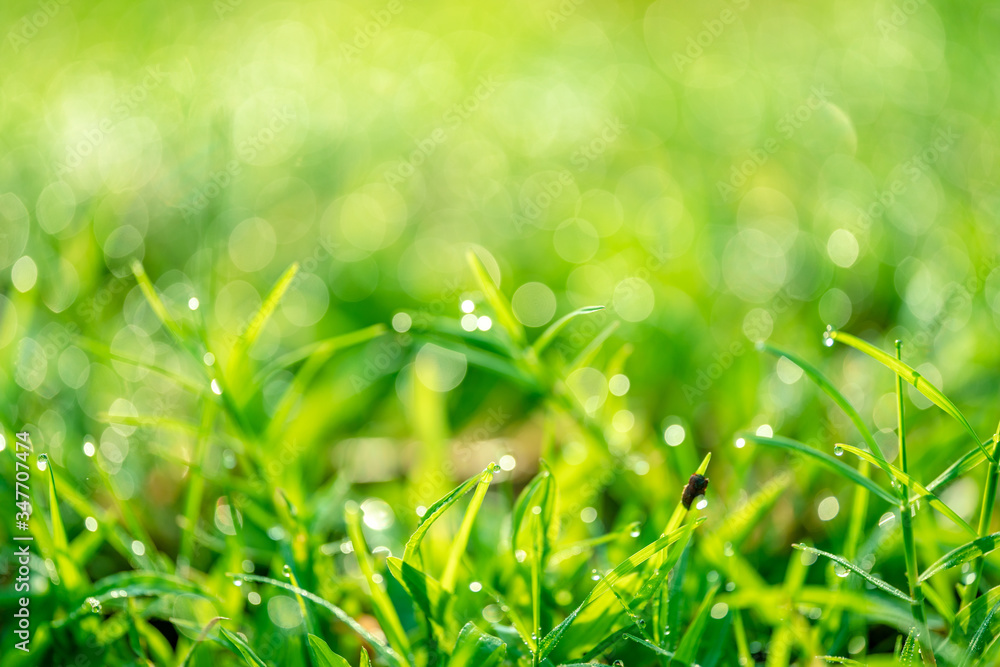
point(715, 174)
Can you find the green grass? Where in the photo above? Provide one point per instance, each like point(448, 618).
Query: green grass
point(476, 579)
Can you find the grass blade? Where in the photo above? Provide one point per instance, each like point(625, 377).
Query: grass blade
point(549, 642)
point(435, 511)
point(322, 655)
point(888, 588)
point(963, 554)
point(687, 649)
point(496, 299)
point(917, 487)
point(550, 334)
point(836, 465)
point(465, 530)
point(380, 647)
point(155, 302)
point(908, 374)
point(385, 612)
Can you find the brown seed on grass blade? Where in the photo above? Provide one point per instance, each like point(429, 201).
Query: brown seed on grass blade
point(695, 487)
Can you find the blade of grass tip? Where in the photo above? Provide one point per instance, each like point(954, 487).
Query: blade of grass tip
point(965, 464)
point(836, 396)
point(249, 335)
point(465, 530)
point(201, 638)
point(70, 574)
point(146, 286)
point(323, 655)
point(377, 644)
point(385, 612)
point(496, 299)
point(550, 334)
point(433, 513)
point(841, 468)
point(918, 489)
point(907, 373)
point(875, 581)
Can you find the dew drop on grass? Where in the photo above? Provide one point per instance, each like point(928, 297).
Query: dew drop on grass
point(287, 571)
point(43, 461)
point(237, 582)
point(619, 663)
point(838, 450)
point(641, 622)
point(634, 532)
point(841, 571)
point(95, 605)
point(594, 575)
point(216, 389)
point(740, 443)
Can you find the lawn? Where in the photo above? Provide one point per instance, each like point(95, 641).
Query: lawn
point(533, 334)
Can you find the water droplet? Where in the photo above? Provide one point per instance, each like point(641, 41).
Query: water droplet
point(286, 570)
point(216, 389)
point(43, 458)
point(740, 443)
point(594, 575)
point(95, 605)
point(536, 509)
point(618, 663)
point(838, 450)
point(828, 336)
point(841, 571)
point(237, 582)
point(641, 622)
point(496, 467)
point(634, 532)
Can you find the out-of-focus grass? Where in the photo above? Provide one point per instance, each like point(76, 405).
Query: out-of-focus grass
point(714, 175)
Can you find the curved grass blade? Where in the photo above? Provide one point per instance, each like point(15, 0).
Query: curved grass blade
point(823, 383)
point(963, 554)
point(652, 647)
point(496, 299)
point(323, 656)
point(917, 487)
point(306, 351)
point(836, 465)
point(241, 648)
point(475, 648)
point(435, 511)
point(550, 334)
point(134, 584)
point(549, 642)
point(907, 373)
point(888, 588)
point(380, 647)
